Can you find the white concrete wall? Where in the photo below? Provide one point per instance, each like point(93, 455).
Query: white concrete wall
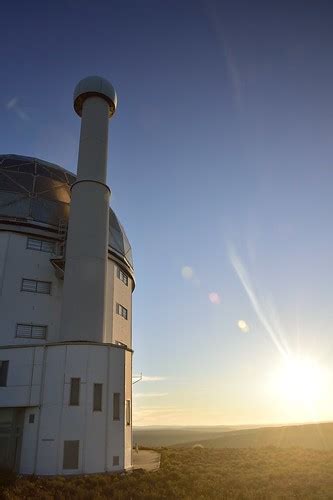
point(29, 441)
point(100, 437)
point(118, 329)
point(24, 376)
point(115, 431)
point(39, 376)
point(17, 262)
point(128, 396)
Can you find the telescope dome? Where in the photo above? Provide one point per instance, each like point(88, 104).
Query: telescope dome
point(34, 192)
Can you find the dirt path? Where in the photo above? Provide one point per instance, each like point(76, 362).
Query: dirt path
point(146, 459)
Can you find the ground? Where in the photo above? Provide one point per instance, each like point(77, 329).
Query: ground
point(264, 473)
point(147, 460)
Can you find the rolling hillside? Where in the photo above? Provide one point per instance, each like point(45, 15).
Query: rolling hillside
point(162, 436)
point(316, 436)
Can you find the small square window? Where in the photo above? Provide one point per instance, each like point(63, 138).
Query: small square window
point(28, 331)
point(41, 245)
point(122, 311)
point(36, 286)
point(122, 276)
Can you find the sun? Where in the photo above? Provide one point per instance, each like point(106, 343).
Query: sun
point(300, 380)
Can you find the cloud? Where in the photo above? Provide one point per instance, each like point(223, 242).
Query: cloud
point(13, 104)
point(150, 395)
point(229, 58)
point(154, 378)
point(159, 415)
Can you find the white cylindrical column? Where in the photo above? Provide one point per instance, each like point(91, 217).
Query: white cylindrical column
point(84, 294)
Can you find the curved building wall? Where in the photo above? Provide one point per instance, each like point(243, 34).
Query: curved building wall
point(19, 307)
point(44, 424)
point(17, 262)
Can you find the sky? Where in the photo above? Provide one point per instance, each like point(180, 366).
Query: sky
point(221, 170)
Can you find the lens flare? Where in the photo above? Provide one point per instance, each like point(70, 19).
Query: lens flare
point(243, 326)
point(187, 272)
point(214, 298)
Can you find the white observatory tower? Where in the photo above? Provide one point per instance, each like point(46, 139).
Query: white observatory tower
point(66, 283)
point(83, 315)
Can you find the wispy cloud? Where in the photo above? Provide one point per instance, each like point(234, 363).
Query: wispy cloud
point(159, 416)
point(232, 67)
point(153, 378)
point(150, 394)
point(13, 104)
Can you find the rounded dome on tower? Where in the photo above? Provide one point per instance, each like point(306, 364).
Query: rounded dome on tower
point(36, 193)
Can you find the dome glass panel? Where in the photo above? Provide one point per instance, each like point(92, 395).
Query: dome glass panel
point(33, 190)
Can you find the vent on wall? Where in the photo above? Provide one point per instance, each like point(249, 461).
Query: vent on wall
point(28, 331)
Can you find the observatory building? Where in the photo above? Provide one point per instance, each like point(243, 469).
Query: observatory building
point(66, 283)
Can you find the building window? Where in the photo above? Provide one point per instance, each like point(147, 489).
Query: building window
point(122, 311)
point(74, 396)
point(71, 455)
point(122, 276)
point(116, 406)
point(36, 286)
point(41, 245)
point(98, 397)
point(128, 412)
point(3, 373)
point(115, 461)
point(31, 418)
point(29, 331)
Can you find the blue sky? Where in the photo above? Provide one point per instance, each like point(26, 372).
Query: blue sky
point(220, 161)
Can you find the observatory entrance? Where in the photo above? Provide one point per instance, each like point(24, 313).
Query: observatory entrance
point(11, 428)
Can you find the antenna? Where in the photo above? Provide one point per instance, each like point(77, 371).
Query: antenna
point(138, 377)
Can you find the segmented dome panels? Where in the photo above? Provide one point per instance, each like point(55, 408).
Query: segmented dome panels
point(35, 191)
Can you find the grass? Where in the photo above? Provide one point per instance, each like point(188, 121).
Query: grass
point(264, 473)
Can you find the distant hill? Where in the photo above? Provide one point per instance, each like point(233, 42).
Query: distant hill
point(162, 436)
point(316, 436)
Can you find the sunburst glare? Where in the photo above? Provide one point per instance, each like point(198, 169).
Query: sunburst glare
point(300, 380)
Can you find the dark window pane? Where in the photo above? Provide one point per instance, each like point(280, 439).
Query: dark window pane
point(128, 412)
point(116, 406)
point(74, 397)
point(71, 455)
point(3, 373)
point(98, 397)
